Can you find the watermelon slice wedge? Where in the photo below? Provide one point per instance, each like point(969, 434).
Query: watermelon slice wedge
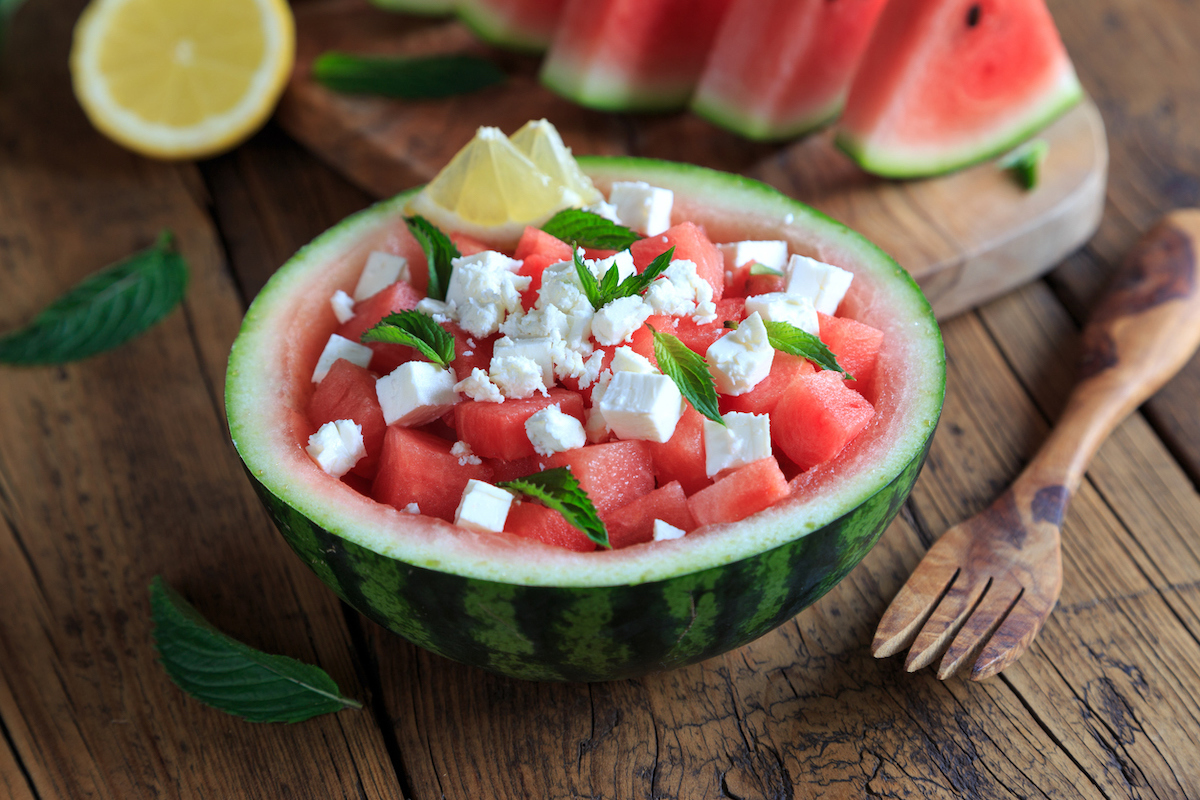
point(526, 25)
point(947, 83)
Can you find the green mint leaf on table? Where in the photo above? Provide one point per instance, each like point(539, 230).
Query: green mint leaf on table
point(104, 310)
point(439, 252)
point(601, 293)
point(1025, 162)
point(690, 373)
point(787, 338)
point(580, 228)
point(425, 78)
point(224, 673)
point(762, 269)
point(558, 489)
point(417, 330)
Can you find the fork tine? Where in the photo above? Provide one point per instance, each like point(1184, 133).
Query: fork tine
point(911, 606)
point(979, 627)
point(1014, 635)
point(944, 622)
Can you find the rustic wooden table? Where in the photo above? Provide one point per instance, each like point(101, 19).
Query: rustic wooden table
point(118, 468)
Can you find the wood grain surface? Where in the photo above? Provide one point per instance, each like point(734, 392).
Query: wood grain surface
point(117, 468)
point(965, 237)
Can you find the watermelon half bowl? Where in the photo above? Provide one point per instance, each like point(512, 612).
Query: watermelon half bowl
point(531, 611)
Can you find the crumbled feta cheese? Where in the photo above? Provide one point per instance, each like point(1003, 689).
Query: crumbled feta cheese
point(479, 387)
point(382, 270)
point(743, 439)
point(337, 446)
point(705, 313)
point(484, 289)
point(462, 451)
point(568, 363)
point(793, 309)
point(561, 288)
point(665, 530)
point(483, 508)
point(643, 207)
point(604, 209)
point(591, 370)
point(343, 306)
point(622, 260)
point(416, 392)
point(517, 376)
point(440, 311)
point(626, 359)
point(412, 508)
point(640, 406)
point(340, 347)
point(678, 290)
point(551, 431)
point(594, 423)
point(616, 322)
point(740, 359)
point(822, 283)
point(539, 350)
point(772, 253)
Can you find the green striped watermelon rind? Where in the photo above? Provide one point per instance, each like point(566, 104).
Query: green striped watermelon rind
point(489, 26)
point(531, 611)
point(713, 108)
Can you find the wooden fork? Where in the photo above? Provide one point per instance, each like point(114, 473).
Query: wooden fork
point(988, 584)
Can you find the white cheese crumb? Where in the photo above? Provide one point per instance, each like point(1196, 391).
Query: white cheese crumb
point(626, 359)
point(539, 349)
point(740, 359)
point(822, 283)
point(640, 406)
point(413, 508)
point(337, 446)
point(551, 431)
point(643, 207)
point(440, 311)
point(604, 209)
point(340, 347)
point(743, 439)
point(343, 306)
point(617, 321)
point(483, 508)
point(678, 290)
point(790, 308)
point(484, 289)
point(517, 376)
point(465, 455)
point(382, 270)
point(591, 369)
point(416, 392)
point(665, 530)
point(478, 386)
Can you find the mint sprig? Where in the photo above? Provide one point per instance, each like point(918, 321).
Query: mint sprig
point(580, 228)
point(787, 338)
point(559, 490)
point(417, 330)
point(104, 310)
point(439, 252)
point(428, 77)
point(220, 671)
point(601, 293)
point(690, 373)
point(1025, 162)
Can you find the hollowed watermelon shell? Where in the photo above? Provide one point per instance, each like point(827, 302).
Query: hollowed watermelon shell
point(531, 611)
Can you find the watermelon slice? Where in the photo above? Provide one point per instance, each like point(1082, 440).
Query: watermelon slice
point(631, 55)
point(429, 8)
point(946, 83)
point(781, 68)
point(526, 25)
point(518, 606)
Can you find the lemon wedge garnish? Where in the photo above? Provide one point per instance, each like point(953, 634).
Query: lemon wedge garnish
point(181, 78)
point(491, 190)
point(540, 140)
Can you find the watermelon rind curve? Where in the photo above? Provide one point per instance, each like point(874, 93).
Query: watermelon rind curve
point(487, 21)
point(757, 127)
point(425, 8)
point(531, 611)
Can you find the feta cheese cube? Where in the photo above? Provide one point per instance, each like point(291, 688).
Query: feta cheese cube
point(337, 446)
point(665, 530)
point(483, 508)
point(539, 350)
point(643, 207)
point(340, 347)
point(343, 306)
point(822, 283)
point(479, 387)
point(640, 406)
point(517, 376)
point(604, 209)
point(484, 289)
point(616, 322)
point(772, 253)
point(740, 359)
point(551, 431)
point(382, 270)
point(416, 392)
point(742, 440)
point(793, 309)
point(626, 359)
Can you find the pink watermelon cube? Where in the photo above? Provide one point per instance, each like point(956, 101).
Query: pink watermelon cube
point(691, 243)
point(739, 494)
point(763, 398)
point(400, 296)
point(816, 417)
point(533, 521)
point(681, 458)
point(856, 346)
point(497, 430)
point(633, 523)
point(348, 392)
point(417, 467)
point(613, 474)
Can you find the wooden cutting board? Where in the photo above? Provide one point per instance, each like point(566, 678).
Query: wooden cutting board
point(966, 237)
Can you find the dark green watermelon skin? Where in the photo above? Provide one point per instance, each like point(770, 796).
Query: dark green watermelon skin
point(594, 633)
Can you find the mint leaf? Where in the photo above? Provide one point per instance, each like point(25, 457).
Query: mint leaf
point(415, 330)
point(601, 293)
point(757, 268)
point(580, 228)
point(558, 489)
point(591, 288)
point(690, 373)
point(639, 282)
point(221, 672)
point(787, 338)
point(430, 77)
point(104, 310)
point(1025, 162)
point(439, 252)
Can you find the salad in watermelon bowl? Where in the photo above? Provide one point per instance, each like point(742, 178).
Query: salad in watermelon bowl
point(584, 419)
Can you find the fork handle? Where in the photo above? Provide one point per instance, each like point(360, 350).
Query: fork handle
point(1142, 332)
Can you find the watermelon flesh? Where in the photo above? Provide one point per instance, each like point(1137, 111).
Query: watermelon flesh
point(526, 25)
point(946, 83)
point(782, 68)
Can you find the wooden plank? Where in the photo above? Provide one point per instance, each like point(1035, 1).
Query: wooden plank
point(966, 238)
point(121, 475)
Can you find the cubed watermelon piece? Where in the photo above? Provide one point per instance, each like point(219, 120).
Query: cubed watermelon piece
point(546, 525)
point(400, 296)
point(348, 392)
point(537, 250)
point(469, 351)
point(634, 522)
point(816, 417)
point(699, 336)
point(497, 430)
point(856, 347)
point(691, 243)
point(417, 467)
point(763, 398)
point(468, 245)
point(764, 284)
point(613, 473)
point(681, 458)
point(739, 494)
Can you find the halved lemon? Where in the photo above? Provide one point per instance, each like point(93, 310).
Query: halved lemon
point(181, 78)
point(491, 190)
